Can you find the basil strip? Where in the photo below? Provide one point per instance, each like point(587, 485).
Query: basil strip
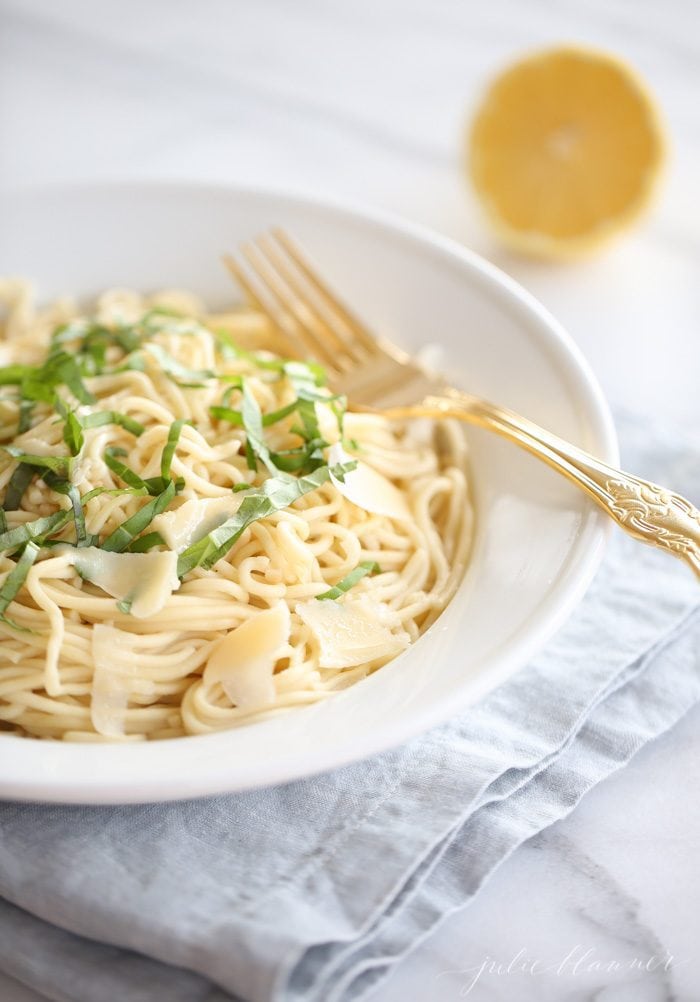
point(236, 417)
point(274, 495)
point(255, 441)
point(169, 449)
point(145, 543)
point(78, 516)
point(113, 492)
point(19, 481)
point(14, 375)
point(227, 414)
point(71, 491)
point(112, 417)
point(172, 367)
point(122, 536)
point(17, 576)
point(62, 368)
point(26, 410)
point(153, 485)
point(73, 433)
point(303, 460)
point(362, 569)
point(123, 471)
point(309, 372)
point(34, 531)
point(57, 464)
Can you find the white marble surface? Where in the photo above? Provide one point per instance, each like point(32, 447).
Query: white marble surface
point(367, 101)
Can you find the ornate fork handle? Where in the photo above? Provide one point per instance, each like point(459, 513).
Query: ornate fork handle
point(651, 513)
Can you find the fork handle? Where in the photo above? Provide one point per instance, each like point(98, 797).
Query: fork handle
point(646, 511)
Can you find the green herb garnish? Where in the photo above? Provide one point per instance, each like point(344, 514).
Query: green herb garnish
point(170, 446)
point(274, 495)
point(15, 579)
point(145, 543)
point(112, 417)
point(176, 369)
point(26, 410)
point(18, 483)
point(355, 575)
point(123, 535)
point(123, 471)
point(71, 492)
point(73, 433)
point(57, 464)
point(36, 531)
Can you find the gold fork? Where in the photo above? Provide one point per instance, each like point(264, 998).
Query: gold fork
point(373, 373)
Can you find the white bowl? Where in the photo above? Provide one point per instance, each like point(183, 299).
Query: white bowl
point(538, 541)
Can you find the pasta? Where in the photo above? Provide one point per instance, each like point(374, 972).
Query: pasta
point(195, 534)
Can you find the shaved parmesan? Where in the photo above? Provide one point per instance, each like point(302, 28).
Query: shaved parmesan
point(145, 580)
point(244, 661)
point(367, 488)
point(354, 631)
point(194, 519)
point(115, 668)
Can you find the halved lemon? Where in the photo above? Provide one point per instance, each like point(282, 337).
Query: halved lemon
point(565, 151)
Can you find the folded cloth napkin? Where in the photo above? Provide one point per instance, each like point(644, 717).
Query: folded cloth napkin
point(314, 889)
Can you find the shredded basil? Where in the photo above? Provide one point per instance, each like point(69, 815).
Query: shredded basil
point(71, 491)
point(81, 536)
point(351, 579)
point(16, 578)
point(153, 485)
point(302, 460)
point(112, 417)
point(36, 531)
point(123, 471)
point(114, 492)
point(73, 434)
point(173, 368)
point(61, 369)
point(14, 375)
point(124, 534)
point(273, 495)
point(145, 543)
point(57, 464)
point(170, 446)
point(26, 410)
point(227, 414)
point(18, 483)
point(256, 447)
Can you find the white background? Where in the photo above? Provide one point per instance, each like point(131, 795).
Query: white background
point(368, 100)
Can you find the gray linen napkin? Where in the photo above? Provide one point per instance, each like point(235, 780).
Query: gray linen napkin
point(314, 889)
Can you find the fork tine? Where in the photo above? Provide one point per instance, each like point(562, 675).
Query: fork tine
point(283, 325)
point(295, 316)
point(242, 280)
point(345, 347)
point(332, 303)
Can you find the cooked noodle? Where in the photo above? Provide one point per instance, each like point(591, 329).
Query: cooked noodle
point(76, 662)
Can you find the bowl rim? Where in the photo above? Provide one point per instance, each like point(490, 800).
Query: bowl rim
point(32, 780)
